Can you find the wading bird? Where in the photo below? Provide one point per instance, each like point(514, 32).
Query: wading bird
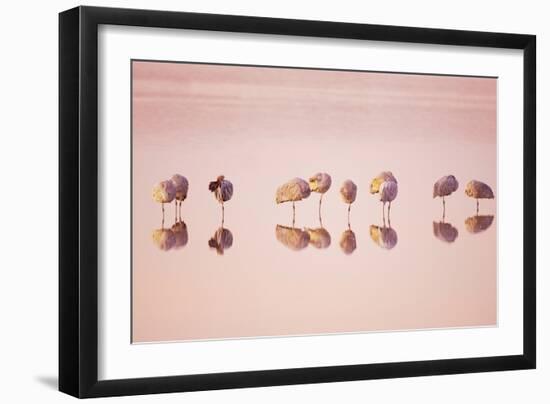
point(443, 187)
point(385, 184)
point(320, 183)
point(479, 190)
point(182, 186)
point(164, 192)
point(294, 190)
point(348, 191)
point(223, 191)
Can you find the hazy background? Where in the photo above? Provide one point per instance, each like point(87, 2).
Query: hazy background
point(263, 126)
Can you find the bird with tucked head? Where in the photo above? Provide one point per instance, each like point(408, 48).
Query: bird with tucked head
point(479, 190)
point(385, 185)
point(443, 187)
point(320, 183)
point(292, 191)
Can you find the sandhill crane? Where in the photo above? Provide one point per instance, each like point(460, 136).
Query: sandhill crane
point(443, 187)
point(223, 191)
point(182, 187)
point(384, 184)
point(291, 237)
point(348, 191)
point(164, 192)
point(292, 191)
point(320, 183)
point(479, 190)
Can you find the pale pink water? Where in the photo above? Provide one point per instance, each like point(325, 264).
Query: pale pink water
point(263, 126)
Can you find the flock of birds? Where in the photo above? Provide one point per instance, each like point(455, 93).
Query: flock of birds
point(175, 190)
point(297, 189)
point(384, 184)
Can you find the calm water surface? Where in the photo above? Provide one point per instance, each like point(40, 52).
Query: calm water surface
point(258, 275)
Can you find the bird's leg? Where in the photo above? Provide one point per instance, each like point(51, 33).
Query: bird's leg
point(389, 208)
point(443, 209)
point(223, 213)
point(349, 209)
point(176, 212)
point(162, 224)
point(293, 214)
point(477, 207)
point(320, 202)
point(384, 213)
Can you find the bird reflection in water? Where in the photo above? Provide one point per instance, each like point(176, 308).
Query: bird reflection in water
point(348, 242)
point(319, 237)
point(348, 192)
point(292, 238)
point(173, 238)
point(164, 239)
point(384, 236)
point(180, 233)
point(478, 223)
point(444, 231)
point(221, 240)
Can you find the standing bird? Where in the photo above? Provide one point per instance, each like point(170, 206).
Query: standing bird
point(445, 186)
point(479, 190)
point(292, 191)
point(320, 183)
point(182, 186)
point(349, 193)
point(164, 192)
point(223, 191)
point(385, 184)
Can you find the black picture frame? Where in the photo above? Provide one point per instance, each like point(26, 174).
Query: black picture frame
point(78, 201)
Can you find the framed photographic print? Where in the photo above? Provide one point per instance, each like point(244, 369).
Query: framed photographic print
point(250, 201)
